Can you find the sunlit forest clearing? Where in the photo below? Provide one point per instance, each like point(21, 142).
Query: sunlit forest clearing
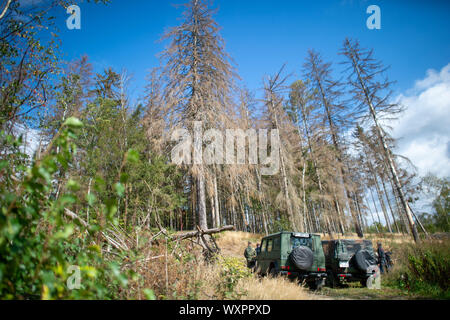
point(100, 194)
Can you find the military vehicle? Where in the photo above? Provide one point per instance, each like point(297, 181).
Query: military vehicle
point(350, 261)
point(295, 255)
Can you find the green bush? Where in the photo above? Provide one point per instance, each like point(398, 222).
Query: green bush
point(233, 270)
point(424, 269)
point(38, 244)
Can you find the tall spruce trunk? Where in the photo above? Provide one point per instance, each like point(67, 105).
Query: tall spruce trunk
point(339, 159)
point(388, 157)
point(201, 201)
point(216, 203)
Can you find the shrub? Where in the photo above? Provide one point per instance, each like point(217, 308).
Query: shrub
point(38, 245)
point(232, 270)
point(423, 268)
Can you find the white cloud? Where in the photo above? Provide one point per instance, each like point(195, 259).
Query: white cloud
point(31, 138)
point(424, 128)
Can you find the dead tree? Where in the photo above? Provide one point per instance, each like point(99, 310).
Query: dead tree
point(336, 117)
point(198, 77)
point(371, 91)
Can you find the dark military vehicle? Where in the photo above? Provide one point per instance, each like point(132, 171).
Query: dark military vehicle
point(349, 261)
point(295, 255)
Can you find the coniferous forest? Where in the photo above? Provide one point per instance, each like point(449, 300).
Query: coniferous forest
point(87, 176)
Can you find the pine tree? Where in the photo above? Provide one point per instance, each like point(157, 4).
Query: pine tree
point(372, 93)
point(198, 76)
point(336, 118)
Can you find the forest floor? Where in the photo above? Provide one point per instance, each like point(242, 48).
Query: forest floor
point(233, 244)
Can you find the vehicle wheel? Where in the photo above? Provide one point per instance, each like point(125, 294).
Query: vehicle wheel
point(317, 285)
point(331, 280)
point(364, 259)
point(312, 285)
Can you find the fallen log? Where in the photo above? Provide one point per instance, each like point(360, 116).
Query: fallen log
point(74, 216)
point(199, 232)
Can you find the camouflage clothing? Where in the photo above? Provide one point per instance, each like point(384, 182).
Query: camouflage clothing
point(250, 255)
point(382, 259)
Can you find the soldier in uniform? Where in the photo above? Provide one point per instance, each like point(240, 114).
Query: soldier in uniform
point(258, 249)
point(381, 258)
point(250, 255)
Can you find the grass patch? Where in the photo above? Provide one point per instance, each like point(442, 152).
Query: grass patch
point(278, 288)
point(354, 291)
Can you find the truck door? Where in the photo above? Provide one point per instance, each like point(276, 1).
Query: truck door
point(262, 257)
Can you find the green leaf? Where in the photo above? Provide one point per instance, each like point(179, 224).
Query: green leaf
point(95, 248)
point(120, 189)
point(149, 294)
point(73, 185)
point(73, 123)
point(90, 198)
point(132, 156)
point(124, 177)
point(4, 164)
point(66, 233)
point(67, 199)
point(12, 229)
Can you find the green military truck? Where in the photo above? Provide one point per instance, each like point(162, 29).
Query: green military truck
point(295, 255)
point(350, 261)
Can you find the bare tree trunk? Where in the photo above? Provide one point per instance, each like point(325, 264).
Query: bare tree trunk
point(389, 203)
point(388, 157)
point(87, 207)
point(338, 210)
point(193, 203)
point(216, 203)
point(381, 201)
point(201, 201)
point(263, 208)
point(373, 217)
point(213, 211)
point(375, 206)
point(339, 159)
point(304, 196)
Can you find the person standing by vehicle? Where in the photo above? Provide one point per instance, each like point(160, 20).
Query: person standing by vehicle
point(258, 249)
point(381, 258)
point(250, 255)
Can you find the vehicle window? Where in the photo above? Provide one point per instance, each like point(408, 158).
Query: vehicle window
point(352, 247)
point(269, 245)
point(368, 245)
point(263, 246)
point(341, 248)
point(276, 244)
point(295, 242)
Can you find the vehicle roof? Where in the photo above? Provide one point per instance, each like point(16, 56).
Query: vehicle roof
point(355, 240)
point(288, 232)
point(348, 240)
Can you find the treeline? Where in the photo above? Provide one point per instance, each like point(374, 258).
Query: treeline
point(337, 171)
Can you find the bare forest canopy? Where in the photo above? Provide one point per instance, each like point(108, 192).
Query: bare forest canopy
point(337, 172)
point(109, 161)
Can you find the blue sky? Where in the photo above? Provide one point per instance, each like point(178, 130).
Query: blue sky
point(262, 35)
